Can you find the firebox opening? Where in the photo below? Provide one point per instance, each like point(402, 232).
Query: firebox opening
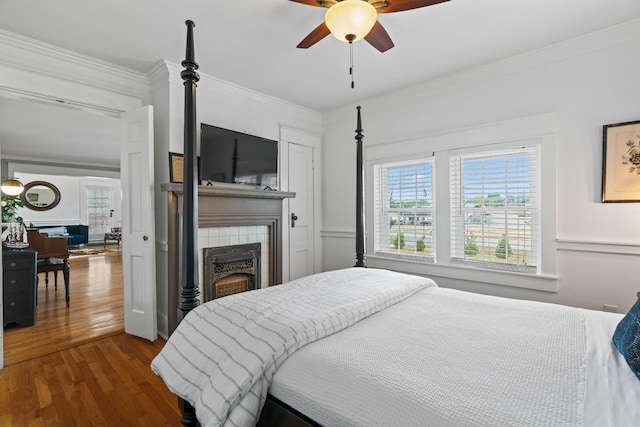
point(233, 284)
point(231, 269)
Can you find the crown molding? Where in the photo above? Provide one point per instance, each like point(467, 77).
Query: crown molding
point(209, 83)
point(39, 164)
point(48, 60)
point(160, 75)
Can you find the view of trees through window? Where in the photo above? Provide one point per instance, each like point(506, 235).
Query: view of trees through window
point(406, 203)
point(493, 209)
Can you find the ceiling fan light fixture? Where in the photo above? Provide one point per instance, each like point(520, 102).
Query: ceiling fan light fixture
point(351, 20)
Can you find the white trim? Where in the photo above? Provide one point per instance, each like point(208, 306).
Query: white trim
point(541, 282)
point(25, 54)
point(220, 87)
point(613, 248)
point(508, 131)
point(338, 234)
point(14, 167)
point(35, 70)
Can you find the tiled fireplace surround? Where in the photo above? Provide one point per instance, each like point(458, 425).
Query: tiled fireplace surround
point(226, 216)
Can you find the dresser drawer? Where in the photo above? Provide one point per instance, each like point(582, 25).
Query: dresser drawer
point(16, 263)
point(17, 279)
point(16, 313)
point(15, 299)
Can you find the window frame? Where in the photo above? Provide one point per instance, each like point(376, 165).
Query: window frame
point(495, 152)
point(539, 130)
point(426, 211)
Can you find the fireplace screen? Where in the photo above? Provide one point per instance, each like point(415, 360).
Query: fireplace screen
point(231, 269)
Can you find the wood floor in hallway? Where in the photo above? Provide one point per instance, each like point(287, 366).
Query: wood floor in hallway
point(95, 311)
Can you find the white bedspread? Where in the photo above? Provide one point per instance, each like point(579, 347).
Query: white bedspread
point(222, 360)
point(445, 358)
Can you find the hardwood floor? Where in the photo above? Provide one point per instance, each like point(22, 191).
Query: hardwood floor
point(103, 383)
point(96, 310)
point(76, 367)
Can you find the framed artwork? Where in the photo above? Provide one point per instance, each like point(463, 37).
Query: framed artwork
point(621, 162)
point(176, 167)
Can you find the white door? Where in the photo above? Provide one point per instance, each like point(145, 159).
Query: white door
point(301, 215)
point(138, 223)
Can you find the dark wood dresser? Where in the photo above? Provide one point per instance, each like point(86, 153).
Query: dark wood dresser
point(19, 286)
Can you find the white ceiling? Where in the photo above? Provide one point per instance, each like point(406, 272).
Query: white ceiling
point(252, 43)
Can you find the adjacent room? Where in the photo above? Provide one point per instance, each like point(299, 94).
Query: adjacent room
point(453, 185)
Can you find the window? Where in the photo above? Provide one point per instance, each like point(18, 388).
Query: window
point(488, 215)
point(494, 209)
point(99, 208)
point(403, 209)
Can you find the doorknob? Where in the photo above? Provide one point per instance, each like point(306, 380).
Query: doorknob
point(294, 218)
point(145, 237)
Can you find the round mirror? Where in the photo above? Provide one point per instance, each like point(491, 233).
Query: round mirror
point(40, 196)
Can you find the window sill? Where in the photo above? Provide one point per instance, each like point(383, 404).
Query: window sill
point(540, 282)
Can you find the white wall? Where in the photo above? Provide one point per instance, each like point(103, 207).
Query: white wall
point(586, 82)
point(68, 210)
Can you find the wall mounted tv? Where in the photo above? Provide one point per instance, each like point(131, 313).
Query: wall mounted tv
point(235, 157)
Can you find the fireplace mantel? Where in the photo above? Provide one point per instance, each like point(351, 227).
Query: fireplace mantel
point(224, 205)
point(231, 190)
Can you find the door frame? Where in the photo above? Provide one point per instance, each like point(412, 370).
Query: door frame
point(54, 75)
point(290, 135)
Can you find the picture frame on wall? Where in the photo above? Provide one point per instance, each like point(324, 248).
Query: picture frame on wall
point(176, 167)
point(621, 162)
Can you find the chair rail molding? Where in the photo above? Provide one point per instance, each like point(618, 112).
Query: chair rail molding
point(614, 248)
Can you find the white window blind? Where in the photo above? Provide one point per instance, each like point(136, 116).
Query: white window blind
point(495, 209)
point(403, 193)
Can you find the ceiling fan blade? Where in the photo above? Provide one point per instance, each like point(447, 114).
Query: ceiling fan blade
point(379, 38)
point(314, 36)
point(319, 3)
point(389, 6)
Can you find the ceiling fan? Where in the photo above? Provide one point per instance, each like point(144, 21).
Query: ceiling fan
point(351, 20)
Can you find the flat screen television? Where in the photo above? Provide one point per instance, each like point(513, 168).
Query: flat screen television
point(235, 157)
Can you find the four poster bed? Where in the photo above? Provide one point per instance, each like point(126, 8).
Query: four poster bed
point(370, 347)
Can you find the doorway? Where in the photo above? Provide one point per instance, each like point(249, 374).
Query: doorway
point(301, 154)
point(96, 304)
point(301, 233)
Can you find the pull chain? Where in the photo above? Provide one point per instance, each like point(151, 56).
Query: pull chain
point(351, 63)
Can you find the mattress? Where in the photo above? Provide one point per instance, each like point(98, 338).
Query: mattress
point(449, 358)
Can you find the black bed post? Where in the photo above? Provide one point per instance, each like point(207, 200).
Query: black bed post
point(190, 290)
point(360, 257)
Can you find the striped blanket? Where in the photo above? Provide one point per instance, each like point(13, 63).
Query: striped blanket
point(223, 355)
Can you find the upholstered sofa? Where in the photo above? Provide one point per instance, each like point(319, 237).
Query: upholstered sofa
point(77, 234)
